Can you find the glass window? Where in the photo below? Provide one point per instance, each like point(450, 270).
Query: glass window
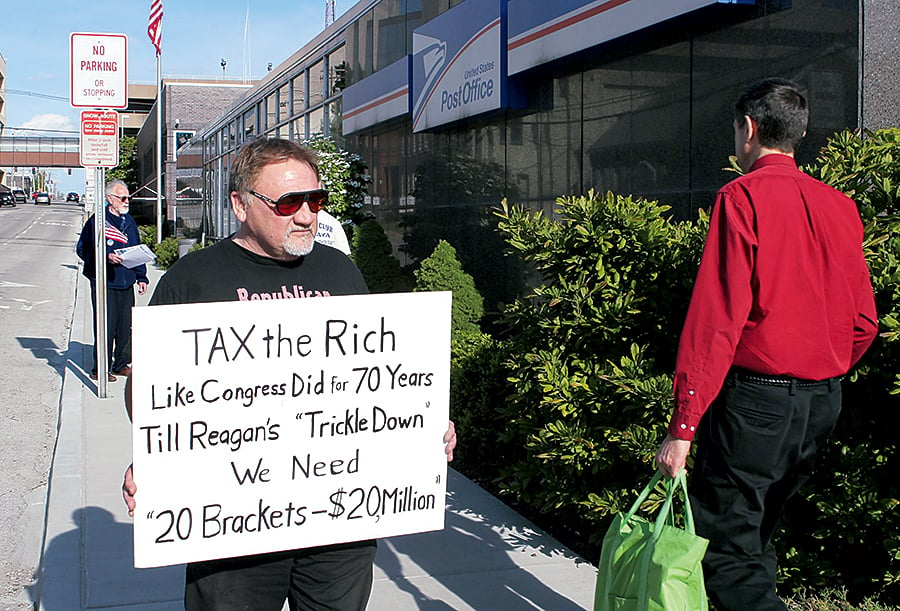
point(353, 72)
point(271, 111)
point(300, 129)
point(413, 20)
point(360, 41)
point(544, 147)
point(390, 33)
point(317, 121)
point(250, 128)
point(335, 130)
point(636, 126)
point(299, 88)
point(432, 8)
point(232, 134)
point(337, 69)
point(285, 111)
point(812, 44)
point(316, 83)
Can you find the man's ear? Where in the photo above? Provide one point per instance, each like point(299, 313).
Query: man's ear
point(239, 206)
point(751, 127)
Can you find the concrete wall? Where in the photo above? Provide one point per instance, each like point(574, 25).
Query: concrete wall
point(880, 59)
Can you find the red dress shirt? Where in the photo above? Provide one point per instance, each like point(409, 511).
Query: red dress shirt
point(782, 289)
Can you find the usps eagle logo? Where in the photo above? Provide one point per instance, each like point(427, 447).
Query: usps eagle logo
point(433, 52)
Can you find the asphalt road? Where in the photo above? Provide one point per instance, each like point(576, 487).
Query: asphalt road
point(38, 269)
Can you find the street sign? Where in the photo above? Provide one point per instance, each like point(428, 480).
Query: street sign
point(99, 139)
point(99, 75)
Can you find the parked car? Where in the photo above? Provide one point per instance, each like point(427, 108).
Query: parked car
point(42, 198)
point(72, 197)
point(19, 195)
point(7, 198)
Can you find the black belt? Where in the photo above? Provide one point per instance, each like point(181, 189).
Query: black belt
point(743, 375)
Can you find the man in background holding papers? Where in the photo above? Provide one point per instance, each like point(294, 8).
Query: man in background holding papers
point(121, 232)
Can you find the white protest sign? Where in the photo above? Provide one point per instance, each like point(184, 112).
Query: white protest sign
point(272, 425)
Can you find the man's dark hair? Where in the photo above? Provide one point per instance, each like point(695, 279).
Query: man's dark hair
point(779, 110)
point(257, 154)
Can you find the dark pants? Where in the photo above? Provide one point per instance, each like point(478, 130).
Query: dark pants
point(332, 578)
point(118, 326)
point(755, 448)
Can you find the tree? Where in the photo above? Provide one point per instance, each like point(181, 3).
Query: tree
point(344, 175)
point(127, 170)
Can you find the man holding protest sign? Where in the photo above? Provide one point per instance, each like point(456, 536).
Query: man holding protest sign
point(276, 194)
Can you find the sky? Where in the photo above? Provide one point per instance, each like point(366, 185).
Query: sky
point(196, 36)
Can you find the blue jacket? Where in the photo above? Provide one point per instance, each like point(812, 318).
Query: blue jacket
point(117, 276)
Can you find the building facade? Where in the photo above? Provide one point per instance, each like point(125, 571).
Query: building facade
point(455, 105)
point(188, 105)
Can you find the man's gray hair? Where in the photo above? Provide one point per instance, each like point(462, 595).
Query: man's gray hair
point(113, 183)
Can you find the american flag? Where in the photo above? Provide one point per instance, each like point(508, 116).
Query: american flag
point(154, 28)
point(113, 233)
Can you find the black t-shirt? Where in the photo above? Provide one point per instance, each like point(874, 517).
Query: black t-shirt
point(228, 272)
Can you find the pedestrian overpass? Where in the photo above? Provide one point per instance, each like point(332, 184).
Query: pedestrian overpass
point(39, 152)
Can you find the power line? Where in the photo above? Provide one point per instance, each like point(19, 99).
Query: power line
point(38, 129)
point(34, 94)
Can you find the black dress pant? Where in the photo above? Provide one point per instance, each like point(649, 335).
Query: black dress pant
point(755, 448)
point(330, 578)
point(119, 303)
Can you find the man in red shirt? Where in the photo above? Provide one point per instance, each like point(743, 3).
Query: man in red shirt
point(781, 309)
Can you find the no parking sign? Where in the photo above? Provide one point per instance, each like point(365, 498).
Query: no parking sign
point(99, 71)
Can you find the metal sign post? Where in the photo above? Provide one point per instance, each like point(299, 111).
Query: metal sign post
point(99, 148)
point(100, 331)
point(98, 78)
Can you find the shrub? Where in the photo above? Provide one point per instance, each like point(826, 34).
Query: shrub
point(166, 253)
point(478, 390)
point(592, 352)
point(831, 600)
point(441, 271)
point(148, 235)
point(371, 251)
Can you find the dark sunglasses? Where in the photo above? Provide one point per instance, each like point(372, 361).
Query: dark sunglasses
point(121, 198)
point(289, 203)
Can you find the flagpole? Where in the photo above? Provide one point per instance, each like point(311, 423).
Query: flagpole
point(159, 111)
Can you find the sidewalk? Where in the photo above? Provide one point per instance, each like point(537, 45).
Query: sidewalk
point(487, 557)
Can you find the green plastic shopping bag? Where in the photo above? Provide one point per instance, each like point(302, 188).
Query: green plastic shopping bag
point(648, 566)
